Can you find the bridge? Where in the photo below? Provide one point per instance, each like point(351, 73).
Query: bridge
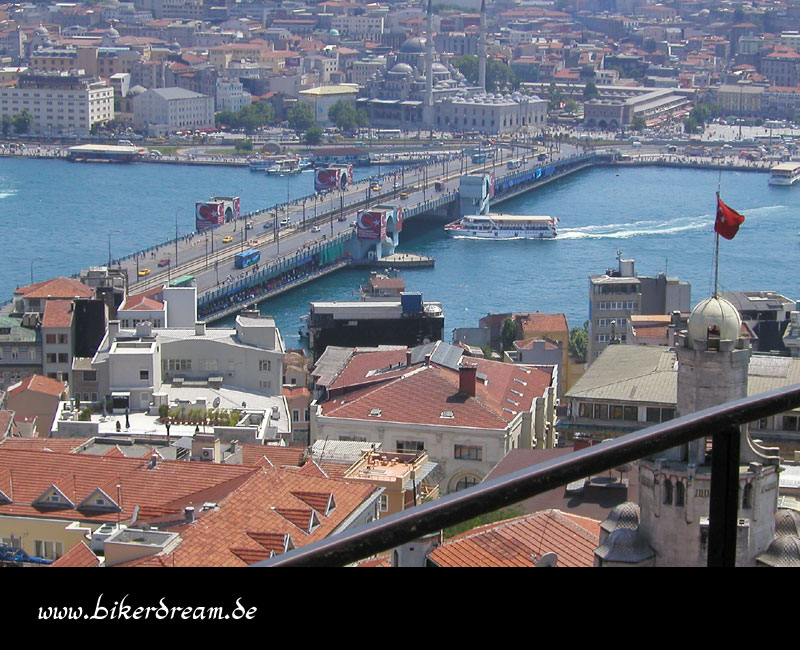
point(323, 235)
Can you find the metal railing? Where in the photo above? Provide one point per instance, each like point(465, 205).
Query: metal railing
point(720, 422)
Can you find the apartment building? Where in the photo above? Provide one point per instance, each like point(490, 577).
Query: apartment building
point(166, 110)
point(61, 103)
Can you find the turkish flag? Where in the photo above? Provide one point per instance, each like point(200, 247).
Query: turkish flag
point(728, 220)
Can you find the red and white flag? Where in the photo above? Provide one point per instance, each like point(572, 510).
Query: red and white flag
point(728, 220)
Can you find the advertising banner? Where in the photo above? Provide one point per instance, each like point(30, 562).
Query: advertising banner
point(209, 214)
point(371, 224)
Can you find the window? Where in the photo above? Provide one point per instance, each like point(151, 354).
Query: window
point(50, 339)
point(295, 415)
point(466, 452)
point(51, 357)
point(466, 482)
point(178, 364)
point(667, 492)
point(747, 495)
point(680, 493)
point(90, 375)
point(600, 411)
point(144, 375)
point(383, 503)
point(63, 357)
point(47, 550)
point(265, 365)
point(409, 446)
point(63, 338)
point(790, 422)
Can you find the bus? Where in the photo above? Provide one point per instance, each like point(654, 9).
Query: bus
point(184, 281)
point(478, 158)
point(246, 258)
point(383, 134)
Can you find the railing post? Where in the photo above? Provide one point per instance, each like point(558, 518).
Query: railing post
point(724, 507)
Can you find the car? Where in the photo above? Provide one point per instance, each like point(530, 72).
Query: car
point(144, 272)
point(376, 188)
point(226, 239)
point(164, 262)
point(353, 224)
point(249, 225)
point(286, 221)
point(315, 229)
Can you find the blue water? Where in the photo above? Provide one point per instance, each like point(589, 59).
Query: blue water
point(662, 218)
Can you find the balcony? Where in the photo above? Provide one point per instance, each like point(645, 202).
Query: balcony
point(720, 424)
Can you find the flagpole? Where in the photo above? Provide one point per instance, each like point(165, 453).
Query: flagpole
point(716, 250)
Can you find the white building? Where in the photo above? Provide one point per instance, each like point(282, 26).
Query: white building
point(491, 113)
point(231, 95)
point(363, 27)
point(60, 103)
point(166, 110)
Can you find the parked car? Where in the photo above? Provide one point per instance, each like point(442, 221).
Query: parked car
point(164, 262)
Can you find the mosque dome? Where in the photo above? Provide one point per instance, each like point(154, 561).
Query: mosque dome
point(715, 312)
point(413, 45)
point(439, 67)
point(41, 30)
point(333, 32)
point(401, 68)
point(111, 33)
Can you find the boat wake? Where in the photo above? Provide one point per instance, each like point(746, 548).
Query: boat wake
point(4, 194)
point(643, 228)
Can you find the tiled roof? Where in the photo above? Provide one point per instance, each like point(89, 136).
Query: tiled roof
point(79, 555)
point(38, 384)
point(520, 542)
point(57, 313)
point(361, 363)
point(164, 489)
point(278, 456)
point(141, 303)
point(56, 288)
point(254, 520)
point(532, 323)
point(420, 394)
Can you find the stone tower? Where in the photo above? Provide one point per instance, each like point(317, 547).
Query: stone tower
point(675, 486)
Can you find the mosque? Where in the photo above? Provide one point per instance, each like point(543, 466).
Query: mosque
point(422, 89)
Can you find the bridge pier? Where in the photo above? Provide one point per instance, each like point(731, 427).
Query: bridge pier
point(475, 191)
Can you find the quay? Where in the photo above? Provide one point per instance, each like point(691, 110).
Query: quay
point(402, 261)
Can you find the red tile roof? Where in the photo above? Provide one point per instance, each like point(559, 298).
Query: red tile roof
point(62, 445)
point(56, 288)
point(57, 313)
point(39, 384)
point(278, 456)
point(541, 323)
point(79, 555)
point(253, 521)
point(521, 541)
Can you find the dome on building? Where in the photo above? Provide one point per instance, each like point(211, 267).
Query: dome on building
point(439, 67)
point(624, 545)
point(41, 30)
point(787, 522)
point(333, 32)
point(623, 516)
point(783, 552)
point(175, 46)
point(401, 68)
point(413, 45)
point(715, 312)
point(111, 33)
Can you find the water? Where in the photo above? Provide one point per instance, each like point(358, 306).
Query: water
point(662, 218)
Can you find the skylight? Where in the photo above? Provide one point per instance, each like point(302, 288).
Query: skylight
point(375, 413)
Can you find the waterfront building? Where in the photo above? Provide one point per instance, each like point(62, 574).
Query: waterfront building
point(20, 348)
point(163, 111)
point(60, 103)
point(466, 413)
point(741, 99)
point(618, 293)
point(322, 98)
point(231, 95)
point(491, 113)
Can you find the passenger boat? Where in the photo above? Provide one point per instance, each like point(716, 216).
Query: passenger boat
point(503, 226)
point(787, 173)
point(261, 165)
point(284, 167)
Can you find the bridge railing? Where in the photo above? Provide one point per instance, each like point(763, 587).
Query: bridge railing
point(721, 423)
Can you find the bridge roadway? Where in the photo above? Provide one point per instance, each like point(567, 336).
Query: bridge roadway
point(211, 260)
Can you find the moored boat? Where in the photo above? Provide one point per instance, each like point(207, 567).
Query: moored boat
point(787, 173)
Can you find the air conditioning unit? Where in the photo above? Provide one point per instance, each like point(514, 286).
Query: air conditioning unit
point(207, 453)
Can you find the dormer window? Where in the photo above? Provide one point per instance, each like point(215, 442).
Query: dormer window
point(713, 337)
point(375, 413)
point(448, 414)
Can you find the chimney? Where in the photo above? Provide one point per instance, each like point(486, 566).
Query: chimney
point(188, 514)
point(408, 358)
point(153, 461)
point(427, 359)
point(199, 328)
point(113, 330)
point(467, 379)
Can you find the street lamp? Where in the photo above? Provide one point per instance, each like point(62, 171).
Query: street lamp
point(176, 237)
point(35, 259)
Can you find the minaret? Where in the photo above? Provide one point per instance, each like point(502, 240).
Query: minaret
point(482, 49)
point(427, 106)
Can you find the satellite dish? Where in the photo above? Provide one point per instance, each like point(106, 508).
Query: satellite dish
point(216, 402)
point(548, 559)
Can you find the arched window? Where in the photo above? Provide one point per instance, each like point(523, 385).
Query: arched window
point(680, 494)
point(747, 495)
point(466, 482)
point(668, 491)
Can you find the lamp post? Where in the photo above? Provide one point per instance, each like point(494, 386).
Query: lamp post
point(304, 214)
point(176, 238)
point(206, 252)
point(111, 232)
point(35, 259)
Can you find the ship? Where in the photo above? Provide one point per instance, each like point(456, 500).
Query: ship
point(504, 226)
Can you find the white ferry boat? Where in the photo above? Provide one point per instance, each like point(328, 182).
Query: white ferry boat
point(503, 226)
point(787, 173)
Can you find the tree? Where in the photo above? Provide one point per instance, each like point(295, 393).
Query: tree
point(508, 334)
point(7, 123)
point(243, 146)
point(498, 74)
point(22, 121)
point(556, 97)
point(313, 136)
point(571, 106)
point(590, 91)
point(639, 123)
point(300, 116)
point(346, 116)
point(579, 342)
